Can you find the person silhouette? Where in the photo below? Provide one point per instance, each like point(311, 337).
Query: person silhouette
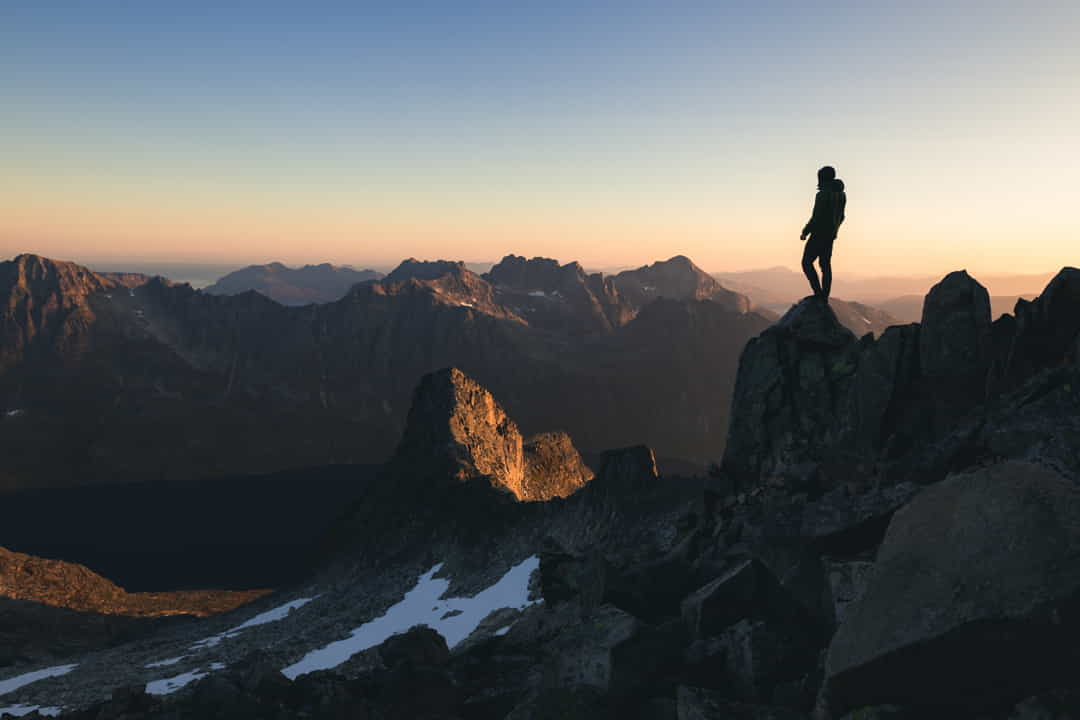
point(829, 205)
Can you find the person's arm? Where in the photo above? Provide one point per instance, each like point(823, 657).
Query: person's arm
point(843, 206)
point(815, 215)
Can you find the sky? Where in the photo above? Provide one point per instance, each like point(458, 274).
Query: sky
point(613, 133)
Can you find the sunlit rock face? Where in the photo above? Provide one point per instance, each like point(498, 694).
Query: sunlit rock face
point(457, 429)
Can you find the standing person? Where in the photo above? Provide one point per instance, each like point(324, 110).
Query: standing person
point(824, 223)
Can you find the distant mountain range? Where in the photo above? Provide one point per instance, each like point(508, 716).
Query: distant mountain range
point(781, 287)
point(293, 286)
point(101, 382)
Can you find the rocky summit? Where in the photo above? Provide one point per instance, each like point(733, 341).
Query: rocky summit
point(894, 532)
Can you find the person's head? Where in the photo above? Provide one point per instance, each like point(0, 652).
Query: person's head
point(826, 175)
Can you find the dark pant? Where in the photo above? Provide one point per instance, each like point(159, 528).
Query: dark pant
point(818, 247)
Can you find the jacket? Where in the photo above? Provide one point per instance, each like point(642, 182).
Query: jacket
point(828, 214)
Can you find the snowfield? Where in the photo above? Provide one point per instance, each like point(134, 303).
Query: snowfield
point(20, 710)
point(269, 616)
point(14, 683)
point(453, 618)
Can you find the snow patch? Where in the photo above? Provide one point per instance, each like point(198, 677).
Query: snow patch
point(14, 683)
point(13, 413)
point(164, 663)
point(269, 616)
point(537, 293)
point(502, 631)
point(172, 684)
point(425, 605)
point(20, 710)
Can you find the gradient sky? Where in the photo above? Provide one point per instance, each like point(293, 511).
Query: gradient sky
point(615, 133)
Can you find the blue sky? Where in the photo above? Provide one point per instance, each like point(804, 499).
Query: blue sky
point(615, 133)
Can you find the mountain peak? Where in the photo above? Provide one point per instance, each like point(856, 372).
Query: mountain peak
point(411, 268)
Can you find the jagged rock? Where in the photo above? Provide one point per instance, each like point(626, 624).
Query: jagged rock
point(790, 394)
point(456, 429)
point(884, 389)
point(1046, 330)
point(560, 297)
point(553, 467)
point(972, 599)
point(955, 331)
point(954, 349)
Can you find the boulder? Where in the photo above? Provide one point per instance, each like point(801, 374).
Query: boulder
point(584, 655)
point(973, 599)
point(746, 590)
point(417, 646)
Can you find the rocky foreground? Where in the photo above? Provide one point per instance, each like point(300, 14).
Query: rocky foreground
point(894, 532)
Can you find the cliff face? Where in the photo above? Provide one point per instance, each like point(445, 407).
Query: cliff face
point(818, 407)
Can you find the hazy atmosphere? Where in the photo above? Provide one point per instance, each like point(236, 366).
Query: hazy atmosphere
point(614, 134)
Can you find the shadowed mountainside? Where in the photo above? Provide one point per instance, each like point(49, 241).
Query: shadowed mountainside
point(104, 383)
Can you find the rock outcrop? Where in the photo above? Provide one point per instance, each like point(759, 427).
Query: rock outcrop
point(823, 408)
point(972, 599)
point(456, 429)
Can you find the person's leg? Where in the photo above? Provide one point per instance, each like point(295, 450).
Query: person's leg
point(825, 259)
point(808, 257)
